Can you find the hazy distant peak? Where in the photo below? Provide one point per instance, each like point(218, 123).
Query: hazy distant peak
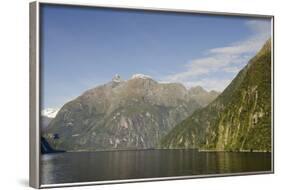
point(200, 89)
point(141, 76)
point(214, 92)
point(197, 89)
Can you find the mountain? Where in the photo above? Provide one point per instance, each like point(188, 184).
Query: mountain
point(45, 121)
point(132, 114)
point(46, 117)
point(202, 96)
point(238, 119)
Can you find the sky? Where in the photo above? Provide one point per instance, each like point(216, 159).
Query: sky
point(83, 47)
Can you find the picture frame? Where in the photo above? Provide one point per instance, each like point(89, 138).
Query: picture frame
point(37, 94)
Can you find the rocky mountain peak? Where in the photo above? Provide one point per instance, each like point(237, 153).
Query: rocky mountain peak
point(134, 113)
point(197, 89)
point(116, 78)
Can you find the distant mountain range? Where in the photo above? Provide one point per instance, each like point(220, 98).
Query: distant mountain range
point(238, 119)
point(132, 114)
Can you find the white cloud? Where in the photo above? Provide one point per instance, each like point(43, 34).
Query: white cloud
point(231, 69)
point(261, 30)
point(211, 70)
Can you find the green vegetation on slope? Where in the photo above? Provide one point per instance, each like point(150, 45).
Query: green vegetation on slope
point(239, 119)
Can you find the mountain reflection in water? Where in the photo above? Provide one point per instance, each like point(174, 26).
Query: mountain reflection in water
point(134, 164)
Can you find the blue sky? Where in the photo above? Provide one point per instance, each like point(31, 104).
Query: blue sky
point(85, 47)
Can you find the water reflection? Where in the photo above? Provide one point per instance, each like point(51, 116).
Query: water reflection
point(116, 165)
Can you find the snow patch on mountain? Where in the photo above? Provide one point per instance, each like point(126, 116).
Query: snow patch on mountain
point(50, 112)
point(141, 76)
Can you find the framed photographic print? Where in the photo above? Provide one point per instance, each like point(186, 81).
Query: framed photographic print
point(127, 94)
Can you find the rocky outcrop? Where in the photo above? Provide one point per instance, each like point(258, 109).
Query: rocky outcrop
point(46, 148)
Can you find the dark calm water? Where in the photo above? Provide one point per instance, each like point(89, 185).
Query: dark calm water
point(116, 165)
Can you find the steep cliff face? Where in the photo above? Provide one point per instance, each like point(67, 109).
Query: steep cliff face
point(121, 115)
point(238, 119)
point(45, 121)
point(46, 117)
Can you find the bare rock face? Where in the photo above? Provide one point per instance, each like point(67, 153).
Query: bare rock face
point(45, 121)
point(46, 117)
point(133, 114)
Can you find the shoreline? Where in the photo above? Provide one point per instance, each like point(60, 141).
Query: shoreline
point(240, 151)
point(198, 150)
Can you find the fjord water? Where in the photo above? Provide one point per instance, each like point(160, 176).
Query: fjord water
point(132, 164)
